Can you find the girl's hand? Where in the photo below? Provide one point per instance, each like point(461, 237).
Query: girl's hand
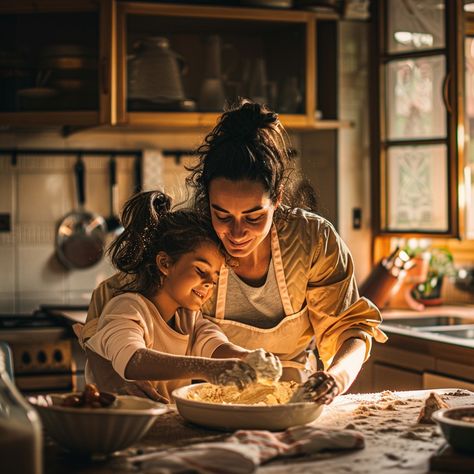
point(230, 372)
point(321, 387)
point(267, 365)
point(144, 388)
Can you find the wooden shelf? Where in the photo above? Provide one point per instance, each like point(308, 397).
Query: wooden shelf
point(78, 118)
point(197, 120)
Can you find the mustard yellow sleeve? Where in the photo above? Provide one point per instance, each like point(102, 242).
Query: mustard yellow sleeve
point(336, 311)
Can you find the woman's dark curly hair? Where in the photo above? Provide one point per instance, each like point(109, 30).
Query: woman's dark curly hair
point(150, 227)
point(248, 143)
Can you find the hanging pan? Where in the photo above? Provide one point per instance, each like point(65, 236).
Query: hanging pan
point(80, 234)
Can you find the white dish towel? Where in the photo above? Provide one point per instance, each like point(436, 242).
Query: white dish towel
point(245, 450)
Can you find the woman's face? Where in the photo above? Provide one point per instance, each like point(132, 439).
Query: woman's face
point(242, 214)
point(189, 282)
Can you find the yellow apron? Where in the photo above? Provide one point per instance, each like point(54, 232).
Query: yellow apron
point(289, 339)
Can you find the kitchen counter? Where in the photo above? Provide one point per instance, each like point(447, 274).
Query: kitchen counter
point(394, 441)
point(430, 335)
point(417, 357)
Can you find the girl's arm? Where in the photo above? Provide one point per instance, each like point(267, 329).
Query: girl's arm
point(228, 350)
point(148, 364)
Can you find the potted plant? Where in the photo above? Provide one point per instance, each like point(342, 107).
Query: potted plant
point(441, 264)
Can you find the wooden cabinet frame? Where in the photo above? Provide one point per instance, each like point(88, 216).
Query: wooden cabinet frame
point(204, 119)
point(454, 86)
point(106, 13)
point(112, 62)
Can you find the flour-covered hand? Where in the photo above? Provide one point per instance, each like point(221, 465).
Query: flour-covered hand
point(266, 365)
point(321, 387)
point(230, 372)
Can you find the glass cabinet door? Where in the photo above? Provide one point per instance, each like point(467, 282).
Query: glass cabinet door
point(53, 62)
point(195, 60)
point(415, 146)
point(179, 66)
point(174, 64)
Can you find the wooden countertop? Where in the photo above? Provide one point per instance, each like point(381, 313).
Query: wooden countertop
point(394, 442)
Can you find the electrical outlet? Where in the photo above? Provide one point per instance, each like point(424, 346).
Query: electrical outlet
point(5, 222)
point(356, 218)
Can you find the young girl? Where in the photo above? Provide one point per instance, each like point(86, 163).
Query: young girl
point(152, 329)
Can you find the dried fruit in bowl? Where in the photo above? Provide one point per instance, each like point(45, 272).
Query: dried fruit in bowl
point(89, 398)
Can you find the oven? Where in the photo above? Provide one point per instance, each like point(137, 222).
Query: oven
point(46, 354)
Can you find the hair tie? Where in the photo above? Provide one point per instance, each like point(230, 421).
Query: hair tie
point(161, 204)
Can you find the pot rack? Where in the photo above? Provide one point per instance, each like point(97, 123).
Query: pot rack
point(14, 152)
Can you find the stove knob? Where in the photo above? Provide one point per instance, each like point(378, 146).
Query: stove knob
point(26, 358)
point(58, 355)
point(41, 357)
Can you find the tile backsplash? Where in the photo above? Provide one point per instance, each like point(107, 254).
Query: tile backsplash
point(37, 192)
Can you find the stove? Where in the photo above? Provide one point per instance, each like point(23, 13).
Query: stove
point(46, 354)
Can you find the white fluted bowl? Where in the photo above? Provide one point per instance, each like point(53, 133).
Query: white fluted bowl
point(97, 431)
point(229, 417)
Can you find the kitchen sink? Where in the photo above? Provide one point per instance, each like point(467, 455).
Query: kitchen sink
point(465, 333)
point(422, 322)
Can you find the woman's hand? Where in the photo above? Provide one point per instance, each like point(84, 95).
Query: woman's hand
point(321, 387)
point(229, 372)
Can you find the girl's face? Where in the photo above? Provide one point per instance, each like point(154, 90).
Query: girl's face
point(189, 281)
point(242, 214)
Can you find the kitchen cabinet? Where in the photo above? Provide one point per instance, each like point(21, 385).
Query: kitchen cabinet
point(393, 378)
point(55, 64)
point(418, 114)
point(441, 381)
point(178, 65)
point(410, 363)
point(96, 62)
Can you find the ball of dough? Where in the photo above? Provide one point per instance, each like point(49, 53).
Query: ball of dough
point(266, 365)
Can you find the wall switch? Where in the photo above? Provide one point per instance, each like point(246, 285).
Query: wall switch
point(5, 222)
point(356, 218)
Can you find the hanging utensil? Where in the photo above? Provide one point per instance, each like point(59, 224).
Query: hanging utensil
point(137, 173)
point(113, 221)
point(80, 234)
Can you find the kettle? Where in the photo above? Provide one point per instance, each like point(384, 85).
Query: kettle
point(155, 72)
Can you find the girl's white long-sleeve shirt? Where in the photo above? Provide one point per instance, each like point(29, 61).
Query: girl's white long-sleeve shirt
point(130, 322)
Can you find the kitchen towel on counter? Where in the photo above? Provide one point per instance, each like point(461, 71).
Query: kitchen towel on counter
point(245, 450)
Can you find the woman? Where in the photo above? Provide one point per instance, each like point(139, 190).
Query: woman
point(291, 281)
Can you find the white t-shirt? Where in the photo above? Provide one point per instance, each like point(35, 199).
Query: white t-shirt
point(130, 322)
point(257, 306)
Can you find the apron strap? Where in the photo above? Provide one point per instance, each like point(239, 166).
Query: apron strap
point(221, 292)
point(280, 278)
point(279, 273)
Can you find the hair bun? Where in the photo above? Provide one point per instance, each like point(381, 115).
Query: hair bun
point(247, 120)
point(161, 203)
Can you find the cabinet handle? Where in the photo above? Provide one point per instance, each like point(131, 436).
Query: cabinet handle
point(104, 66)
point(446, 87)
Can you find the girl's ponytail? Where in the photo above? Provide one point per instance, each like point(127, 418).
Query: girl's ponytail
point(140, 218)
